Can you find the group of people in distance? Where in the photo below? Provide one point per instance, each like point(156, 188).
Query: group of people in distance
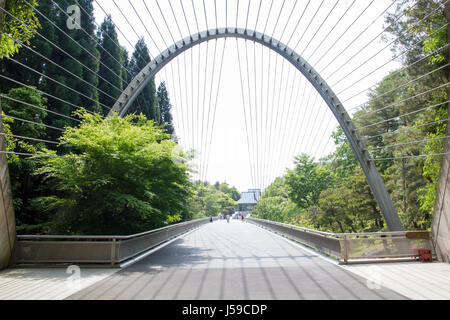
point(228, 217)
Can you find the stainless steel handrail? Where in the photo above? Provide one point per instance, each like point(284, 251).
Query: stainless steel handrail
point(112, 249)
point(323, 241)
point(105, 237)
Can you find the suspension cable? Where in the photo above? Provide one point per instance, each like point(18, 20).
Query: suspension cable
point(411, 156)
point(407, 143)
point(400, 102)
point(330, 32)
point(42, 92)
point(145, 26)
point(346, 30)
point(405, 115)
point(309, 24)
point(92, 38)
point(376, 37)
point(395, 73)
point(245, 116)
point(68, 36)
point(123, 35)
point(32, 122)
point(392, 59)
point(56, 46)
point(406, 129)
point(55, 64)
point(50, 78)
point(215, 106)
point(38, 107)
point(320, 27)
point(29, 138)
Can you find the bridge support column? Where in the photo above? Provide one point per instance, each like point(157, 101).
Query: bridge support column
point(7, 219)
point(441, 220)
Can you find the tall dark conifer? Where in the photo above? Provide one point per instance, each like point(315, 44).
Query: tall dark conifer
point(164, 107)
point(71, 40)
point(111, 56)
point(146, 102)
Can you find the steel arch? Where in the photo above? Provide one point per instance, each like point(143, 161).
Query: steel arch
point(373, 177)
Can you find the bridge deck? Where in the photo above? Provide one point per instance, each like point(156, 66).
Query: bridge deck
point(233, 261)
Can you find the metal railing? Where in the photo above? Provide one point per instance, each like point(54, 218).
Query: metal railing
point(355, 247)
point(113, 250)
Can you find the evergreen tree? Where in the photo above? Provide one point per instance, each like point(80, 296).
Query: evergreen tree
point(111, 70)
point(13, 70)
point(146, 102)
point(124, 71)
point(164, 107)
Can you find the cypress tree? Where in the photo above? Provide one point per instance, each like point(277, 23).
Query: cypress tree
point(88, 57)
point(124, 72)
point(19, 73)
point(112, 67)
point(164, 107)
point(89, 60)
point(146, 102)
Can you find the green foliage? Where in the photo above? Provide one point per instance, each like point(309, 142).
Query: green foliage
point(147, 101)
point(275, 204)
point(156, 199)
point(23, 184)
point(306, 181)
point(119, 179)
point(21, 29)
point(110, 70)
point(164, 108)
point(210, 201)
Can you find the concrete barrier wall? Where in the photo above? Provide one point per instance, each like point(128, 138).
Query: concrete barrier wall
point(7, 220)
point(441, 219)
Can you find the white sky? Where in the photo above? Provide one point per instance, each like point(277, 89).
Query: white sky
point(284, 114)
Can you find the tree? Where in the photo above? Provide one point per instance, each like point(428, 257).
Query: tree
point(275, 204)
point(119, 178)
point(24, 185)
point(349, 207)
point(112, 67)
point(73, 50)
point(165, 107)
point(15, 31)
point(146, 102)
point(209, 200)
point(306, 181)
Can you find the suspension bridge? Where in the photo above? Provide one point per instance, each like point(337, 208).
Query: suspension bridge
point(301, 69)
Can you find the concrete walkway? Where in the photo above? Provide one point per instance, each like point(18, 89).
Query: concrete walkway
point(48, 283)
point(233, 261)
point(415, 280)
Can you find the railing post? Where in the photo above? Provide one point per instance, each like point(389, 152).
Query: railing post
point(345, 249)
point(113, 252)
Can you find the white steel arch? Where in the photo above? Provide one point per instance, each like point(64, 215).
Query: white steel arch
point(373, 177)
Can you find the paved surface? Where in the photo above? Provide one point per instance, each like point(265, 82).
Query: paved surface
point(234, 261)
point(48, 283)
point(418, 281)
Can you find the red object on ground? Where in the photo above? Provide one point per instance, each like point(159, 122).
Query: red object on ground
point(423, 255)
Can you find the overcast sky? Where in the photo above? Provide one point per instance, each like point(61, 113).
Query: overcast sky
point(266, 111)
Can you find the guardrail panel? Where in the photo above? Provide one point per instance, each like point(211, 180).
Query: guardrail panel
point(95, 249)
point(62, 251)
point(353, 247)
